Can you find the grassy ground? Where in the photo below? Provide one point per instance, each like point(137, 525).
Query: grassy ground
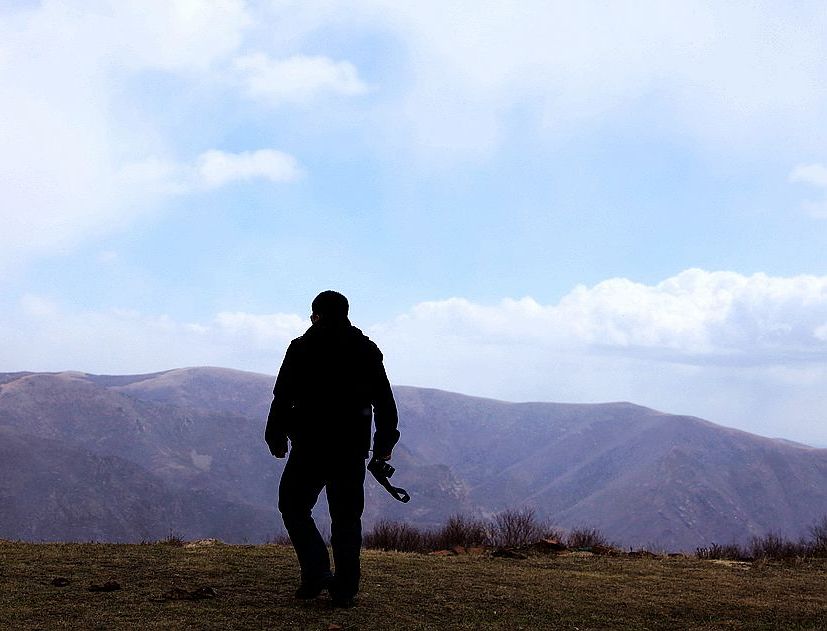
point(254, 586)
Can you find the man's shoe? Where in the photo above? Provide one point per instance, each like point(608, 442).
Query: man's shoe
point(343, 602)
point(306, 591)
point(342, 596)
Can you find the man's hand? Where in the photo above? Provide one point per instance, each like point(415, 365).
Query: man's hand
point(384, 457)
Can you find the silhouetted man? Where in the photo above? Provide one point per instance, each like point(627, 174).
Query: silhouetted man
point(331, 383)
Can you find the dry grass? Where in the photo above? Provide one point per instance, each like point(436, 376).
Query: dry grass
point(254, 586)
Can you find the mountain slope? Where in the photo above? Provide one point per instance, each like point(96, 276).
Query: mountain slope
point(53, 491)
point(174, 427)
point(640, 475)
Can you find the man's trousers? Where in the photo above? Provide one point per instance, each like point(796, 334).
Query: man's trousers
point(343, 478)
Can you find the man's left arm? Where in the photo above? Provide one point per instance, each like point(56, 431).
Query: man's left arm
point(385, 415)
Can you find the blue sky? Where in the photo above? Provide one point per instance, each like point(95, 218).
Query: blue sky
point(528, 200)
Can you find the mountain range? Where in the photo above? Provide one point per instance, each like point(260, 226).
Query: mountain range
point(137, 457)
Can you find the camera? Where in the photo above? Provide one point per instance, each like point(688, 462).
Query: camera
point(380, 468)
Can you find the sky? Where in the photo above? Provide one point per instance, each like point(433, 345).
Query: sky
point(545, 201)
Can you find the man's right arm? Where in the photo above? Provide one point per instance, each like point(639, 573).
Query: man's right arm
point(281, 408)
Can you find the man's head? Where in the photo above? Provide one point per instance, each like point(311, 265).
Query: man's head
point(329, 305)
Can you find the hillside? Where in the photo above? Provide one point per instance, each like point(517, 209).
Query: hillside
point(253, 588)
point(194, 439)
point(51, 491)
point(644, 477)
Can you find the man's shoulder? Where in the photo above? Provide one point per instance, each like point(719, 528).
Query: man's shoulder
point(368, 345)
point(297, 345)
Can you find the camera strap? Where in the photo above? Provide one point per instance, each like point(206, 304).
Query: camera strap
point(381, 470)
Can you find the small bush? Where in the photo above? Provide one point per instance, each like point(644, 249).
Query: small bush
point(586, 538)
point(173, 539)
point(280, 539)
point(818, 532)
point(394, 535)
point(459, 531)
point(775, 547)
point(515, 528)
point(731, 552)
point(550, 532)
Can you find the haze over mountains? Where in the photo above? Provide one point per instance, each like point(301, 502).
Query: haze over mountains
point(125, 458)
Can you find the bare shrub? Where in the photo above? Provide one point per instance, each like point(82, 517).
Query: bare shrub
point(394, 535)
point(460, 530)
point(173, 539)
point(775, 547)
point(818, 532)
point(280, 539)
point(554, 533)
point(730, 552)
point(515, 528)
point(586, 538)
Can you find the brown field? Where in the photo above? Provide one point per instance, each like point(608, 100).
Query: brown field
point(254, 586)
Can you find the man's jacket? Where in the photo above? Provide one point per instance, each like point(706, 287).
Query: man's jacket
point(331, 382)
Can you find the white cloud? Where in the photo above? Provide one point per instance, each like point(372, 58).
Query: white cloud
point(38, 306)
point(815, 175)
point(736, 75)
point(265, 330)
point(816, 209)
point(297, 79)
point(108, 257)
point(158, 176)
point(65, 143)
point(49, 336)
point(694, 317)
point(216, 168)
point(210, 170)
point(173, 35)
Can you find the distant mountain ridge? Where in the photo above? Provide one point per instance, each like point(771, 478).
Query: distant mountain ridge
point(83, 456)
